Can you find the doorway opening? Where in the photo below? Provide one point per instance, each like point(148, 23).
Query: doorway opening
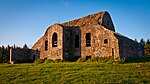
point(88, 57)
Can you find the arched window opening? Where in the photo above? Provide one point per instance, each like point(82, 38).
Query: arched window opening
point(37, 50)
point(105, 41)
point(46, 45)
point(54, 40)
point(88, 39)
point(77, 41)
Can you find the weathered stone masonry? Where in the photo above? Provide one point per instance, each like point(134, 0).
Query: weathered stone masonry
point(88, 37)
point(18, 55)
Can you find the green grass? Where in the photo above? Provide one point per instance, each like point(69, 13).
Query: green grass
point(75, 72)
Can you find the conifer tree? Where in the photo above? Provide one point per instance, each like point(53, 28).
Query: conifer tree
point(147, 48)
point(136, 40)
point(25, 46)
point(142, 41)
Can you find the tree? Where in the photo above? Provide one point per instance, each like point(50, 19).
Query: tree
point(3, 50)
point(14, 46)
point(136, 40)
point(142, 41)
point(147, 48)
point(4, 54)
point(147, 42)
point(7, 53)
point(1, 55)
point(25, 46)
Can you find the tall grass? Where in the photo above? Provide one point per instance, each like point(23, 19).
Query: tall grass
point(98, 71)
point(109, 60)
point(75, 73)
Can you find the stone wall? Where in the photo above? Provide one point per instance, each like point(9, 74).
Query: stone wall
point(39, 45)
point(51, 52)
point(24, 55)
point(129, 48)
point(55, 52)
point(98, 48)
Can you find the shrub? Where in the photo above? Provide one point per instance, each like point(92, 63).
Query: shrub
point(119, 61)
point(88, 60)
point(25, 61)
point(81, 60)
point(101, 60)
point(39, 61)
point(110, 61)
point(48, 61)
point(57, 61)
point(64, 60)
point(137, 59)
point(97, 59)
point(105, 59)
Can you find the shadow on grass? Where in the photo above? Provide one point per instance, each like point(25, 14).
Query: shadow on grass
point(107, 60)
point(137, 59)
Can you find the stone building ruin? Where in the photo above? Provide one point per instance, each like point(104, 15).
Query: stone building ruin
point(87, 37)
point(23, 55)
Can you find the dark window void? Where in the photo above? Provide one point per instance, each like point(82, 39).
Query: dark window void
point(112, 52)
point(37, 50)
point(77, 41)
point(54, 40)
point(46, 45)
point(88, 57)
point(105, 41)
point(88, 39)
point(33, 57)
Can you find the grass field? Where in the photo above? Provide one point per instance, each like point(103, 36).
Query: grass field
point(75, 72)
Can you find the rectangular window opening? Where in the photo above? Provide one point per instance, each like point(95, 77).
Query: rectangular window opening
point(105, 41)
point(112, 52)
point(88, 39)
point(46, 45)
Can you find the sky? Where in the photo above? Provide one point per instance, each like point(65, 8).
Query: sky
point(25, 21)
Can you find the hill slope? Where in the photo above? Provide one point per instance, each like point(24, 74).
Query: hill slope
point(81, 72)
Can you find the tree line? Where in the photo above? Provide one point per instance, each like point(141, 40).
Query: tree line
point(5, 52)
point(146, 45)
